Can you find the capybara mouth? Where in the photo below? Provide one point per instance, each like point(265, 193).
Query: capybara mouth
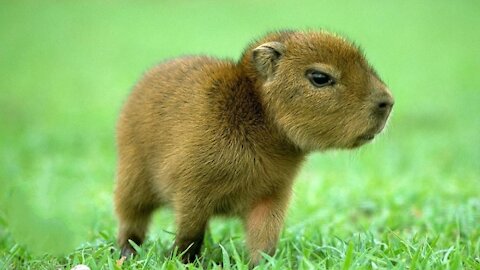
point(367, 137)
point(363, 139)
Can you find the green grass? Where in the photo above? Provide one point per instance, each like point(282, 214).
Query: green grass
point(411, 200)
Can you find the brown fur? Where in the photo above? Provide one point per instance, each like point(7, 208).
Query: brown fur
point(214, 137)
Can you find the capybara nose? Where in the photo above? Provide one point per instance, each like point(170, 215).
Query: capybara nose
point(384, 104)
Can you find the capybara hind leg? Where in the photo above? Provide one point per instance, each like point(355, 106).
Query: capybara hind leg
point(133, 226)
point(191, 225)
point(134, 204)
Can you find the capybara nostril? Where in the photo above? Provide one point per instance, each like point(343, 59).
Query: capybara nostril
point(384, 104)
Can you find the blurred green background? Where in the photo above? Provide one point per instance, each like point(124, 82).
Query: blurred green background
point(67, 66)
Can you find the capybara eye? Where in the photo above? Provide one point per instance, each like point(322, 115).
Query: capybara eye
point(319, 79)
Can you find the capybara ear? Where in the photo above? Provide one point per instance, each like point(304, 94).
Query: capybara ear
point(266, 57)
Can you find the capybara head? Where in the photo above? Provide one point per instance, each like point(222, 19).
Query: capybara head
point(320, 90)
